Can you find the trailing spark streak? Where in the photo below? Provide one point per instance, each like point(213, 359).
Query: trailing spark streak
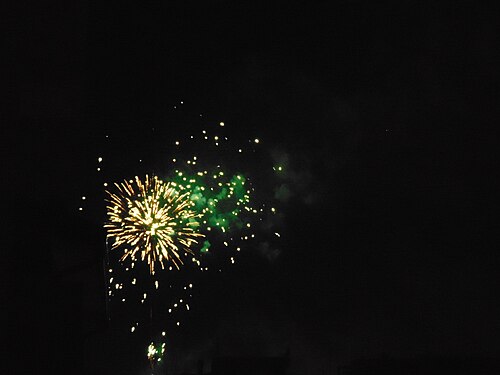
point(152, 218)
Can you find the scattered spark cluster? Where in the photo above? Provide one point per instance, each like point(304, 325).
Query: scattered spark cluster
point(155, 353)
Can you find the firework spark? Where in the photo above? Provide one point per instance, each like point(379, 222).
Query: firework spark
point(152, 218)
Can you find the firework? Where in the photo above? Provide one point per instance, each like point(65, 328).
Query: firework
point(213, 198)
point(153, 218)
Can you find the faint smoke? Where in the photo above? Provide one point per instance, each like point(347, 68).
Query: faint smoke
point(283, 193)
point(269, 252)
point(295, 177)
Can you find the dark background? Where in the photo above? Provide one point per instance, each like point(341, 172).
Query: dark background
point(388, 107)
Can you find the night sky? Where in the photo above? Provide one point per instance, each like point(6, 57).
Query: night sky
point(384, 109)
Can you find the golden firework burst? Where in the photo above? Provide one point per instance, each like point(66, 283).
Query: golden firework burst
point(152, 218)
